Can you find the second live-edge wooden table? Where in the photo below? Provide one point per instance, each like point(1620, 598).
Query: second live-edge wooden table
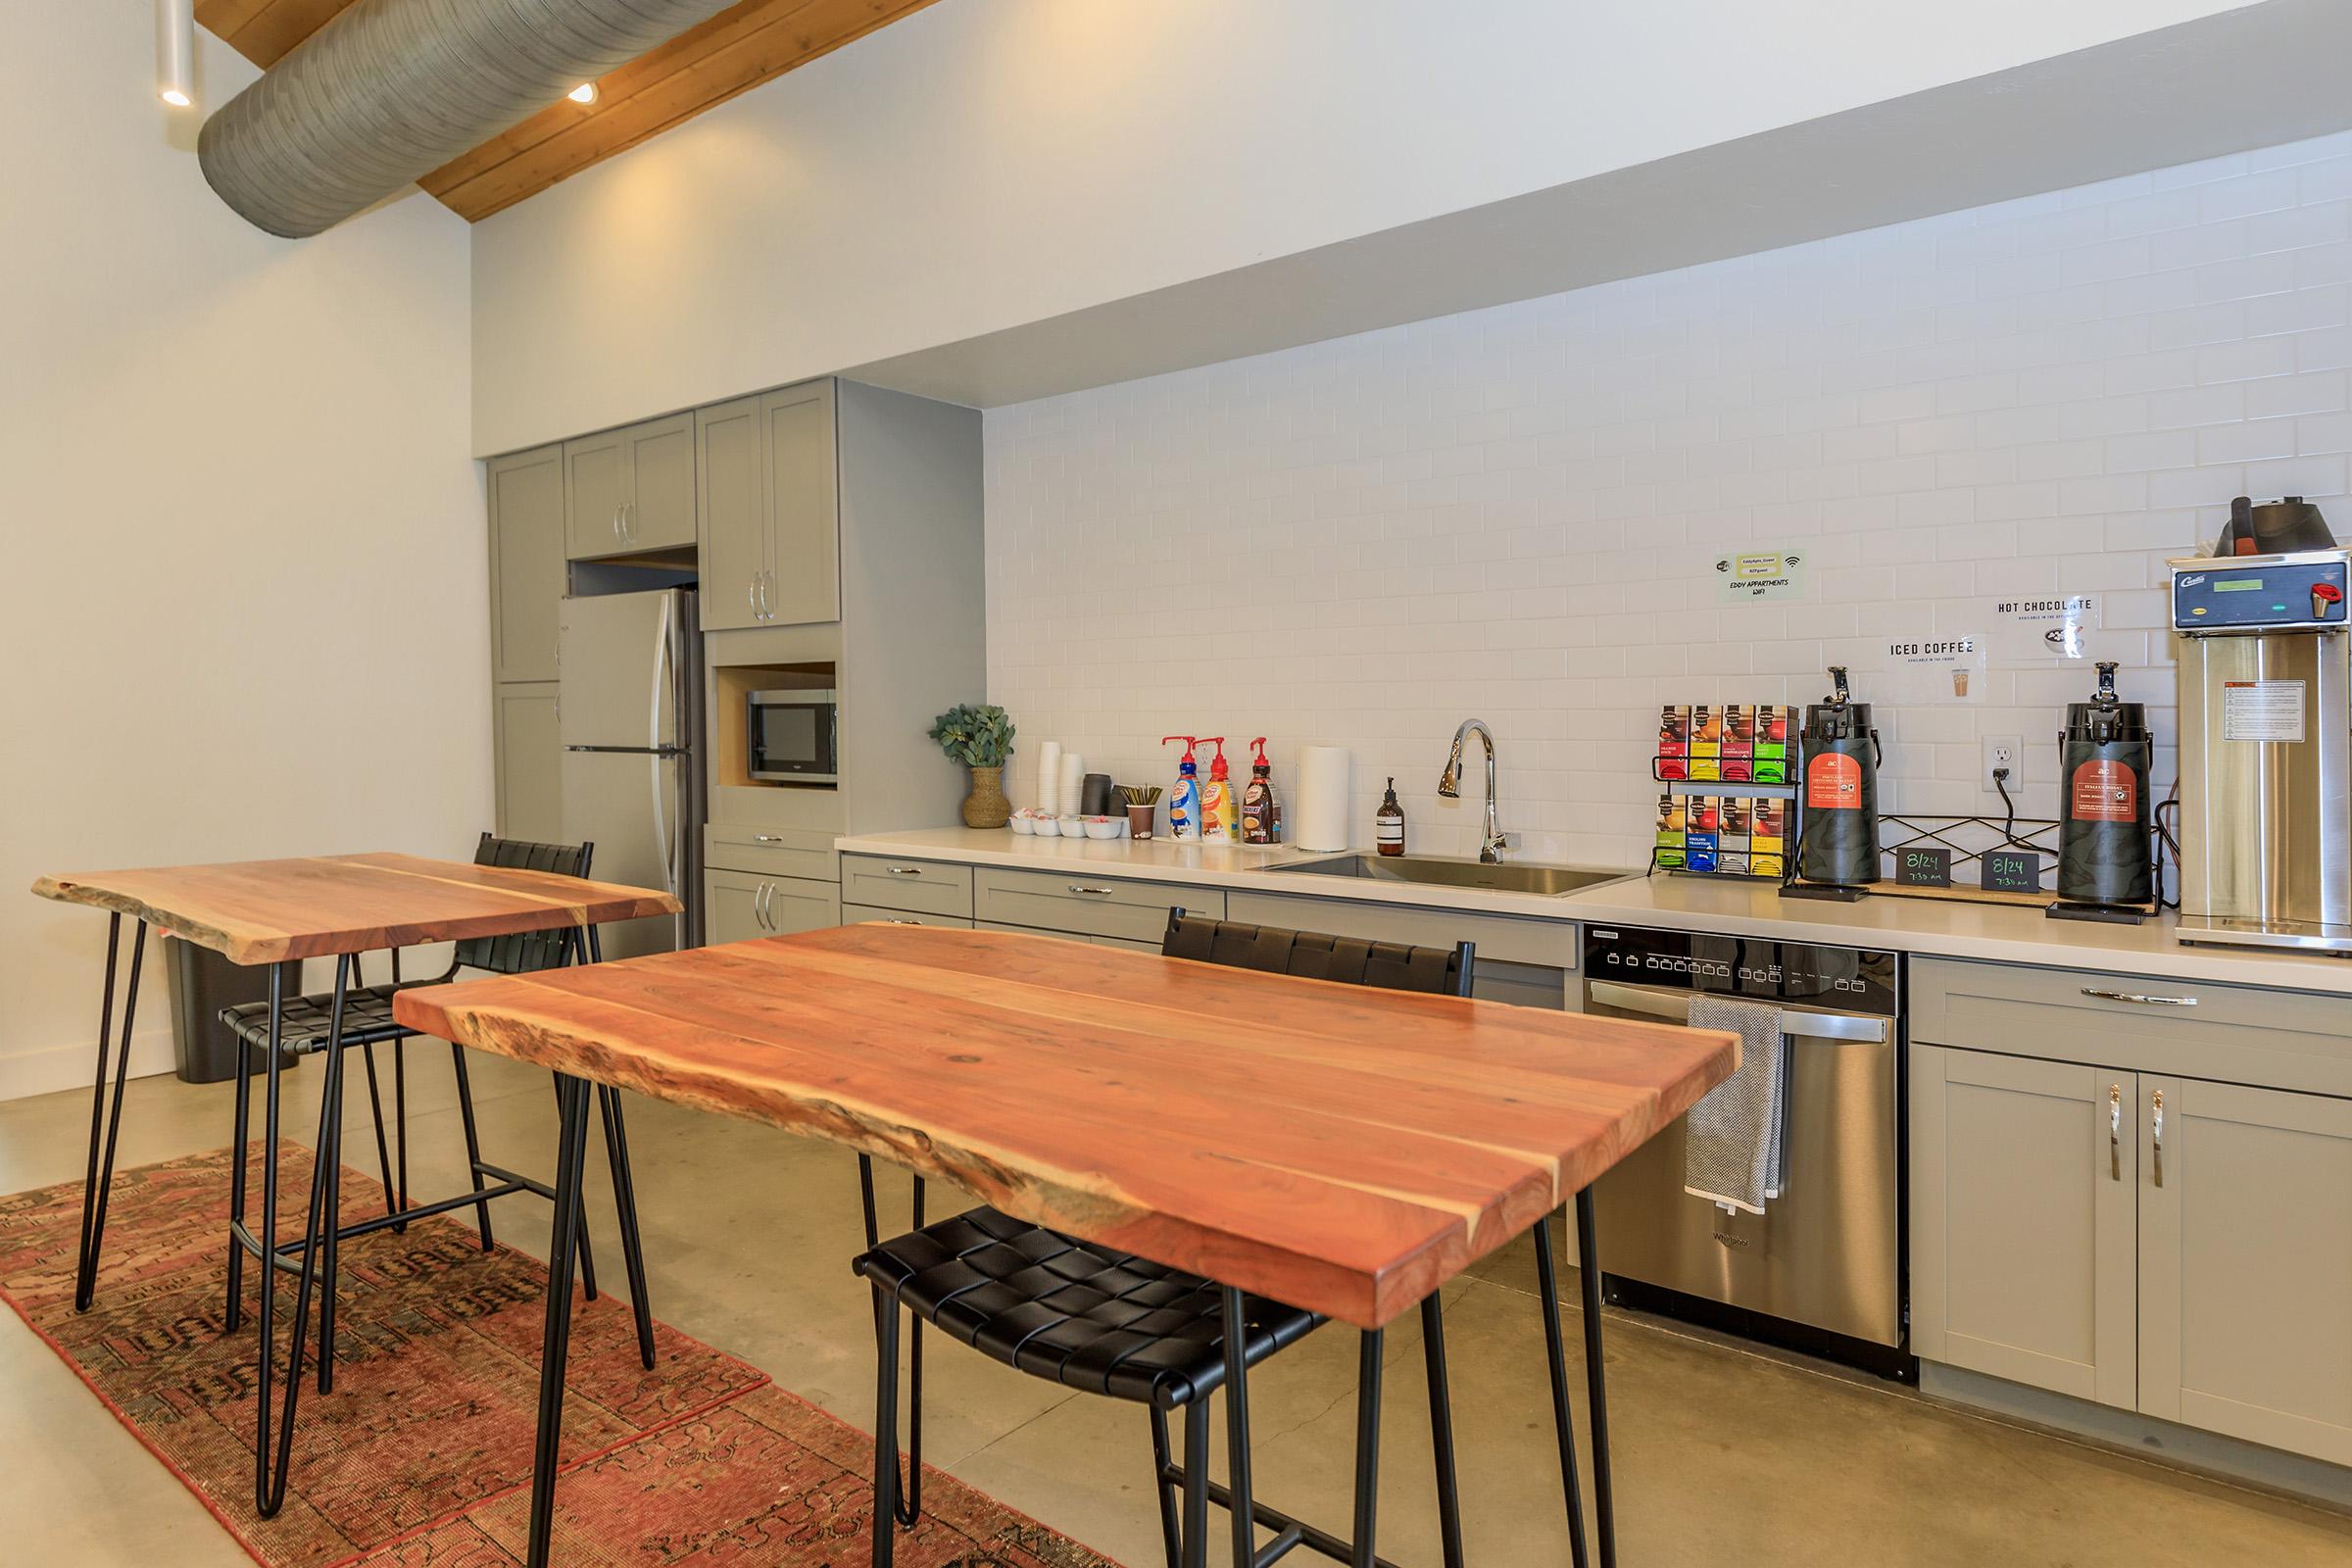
point(266, 912)
point(1335, 1148)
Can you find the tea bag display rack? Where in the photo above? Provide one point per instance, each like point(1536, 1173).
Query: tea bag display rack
point(1676, 861)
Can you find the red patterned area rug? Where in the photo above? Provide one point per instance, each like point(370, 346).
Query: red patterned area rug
point(421, 1457)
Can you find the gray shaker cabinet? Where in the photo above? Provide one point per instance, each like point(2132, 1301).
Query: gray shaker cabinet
point(526, 563)
point(2023, 1230)
point(630, 491)
point(733, 475)
point(2245, 1263)
point(771, 510)
point(804, 505)
point(529, 753)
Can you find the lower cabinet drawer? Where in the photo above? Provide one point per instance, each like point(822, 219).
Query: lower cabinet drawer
point(2144, 1023)
point(922, 887)
point(852, 913)
point(1088, 906)
point(772, 851)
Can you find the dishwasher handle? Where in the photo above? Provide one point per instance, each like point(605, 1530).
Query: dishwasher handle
point(1797, 1023)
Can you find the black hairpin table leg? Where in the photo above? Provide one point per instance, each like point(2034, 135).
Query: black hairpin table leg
point(98, 1178)
point(1588, 1267)
point(572, 1156)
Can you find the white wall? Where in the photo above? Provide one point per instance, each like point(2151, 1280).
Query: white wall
point(991, 163)
point(242, 599)
point(1513, 512)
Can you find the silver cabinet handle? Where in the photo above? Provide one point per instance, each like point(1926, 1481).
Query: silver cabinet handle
point(616, 522)
point(1080, 887)
point(2115, 1132)
point(751, 595)
point(904, 871)
point(767, 838)
point(2156, 1135)
point(767, 596)
point(891, 921)
point(2140, 997)
point(628, 523)
point(759, 904)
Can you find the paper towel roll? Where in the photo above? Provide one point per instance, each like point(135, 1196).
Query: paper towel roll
point(1319, 818)
point(1072, 778)
point(1048, 794)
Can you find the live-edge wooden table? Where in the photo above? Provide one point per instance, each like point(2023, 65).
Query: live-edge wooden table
point(265, 913)
point(1339, 1148)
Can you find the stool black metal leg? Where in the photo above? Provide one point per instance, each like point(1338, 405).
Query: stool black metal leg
point(1441, 1428)
point(910, 1496)
point(98, 1178)
point(270, 1484)
point(1236, 1431)
point(330, 1173)
point(474, 1139)
point(624, 1206)
point(886, 1427)
point(1588, 1259)
point(1195, 1484)
point(1170, 1532)
point(571, 1158)
point(1555, 1354)
point(1367, 1447)
point(234, 1313)
point(400, 1116)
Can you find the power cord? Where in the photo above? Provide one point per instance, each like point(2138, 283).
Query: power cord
point(2000, 782)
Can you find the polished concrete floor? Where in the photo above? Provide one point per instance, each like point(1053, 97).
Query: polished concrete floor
point(1723, 1456)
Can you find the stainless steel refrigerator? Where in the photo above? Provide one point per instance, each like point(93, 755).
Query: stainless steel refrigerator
point(630, 715)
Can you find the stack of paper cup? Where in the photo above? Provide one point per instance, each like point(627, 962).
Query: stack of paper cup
point(1072, 779)
point(1046, 795)
point(1319, 818)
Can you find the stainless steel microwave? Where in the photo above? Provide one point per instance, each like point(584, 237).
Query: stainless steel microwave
point(795, 737)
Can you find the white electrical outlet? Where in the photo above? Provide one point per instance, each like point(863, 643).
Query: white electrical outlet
point(2002, 751)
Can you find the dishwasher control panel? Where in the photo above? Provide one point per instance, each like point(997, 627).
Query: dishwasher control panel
point(1751, 968)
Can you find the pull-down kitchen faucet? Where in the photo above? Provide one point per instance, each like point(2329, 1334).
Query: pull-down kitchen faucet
point(1450, 785)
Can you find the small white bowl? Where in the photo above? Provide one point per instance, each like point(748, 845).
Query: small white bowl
point(1101, 827)
point(1022, 822)
point(1073, 826)
point(1045, 826)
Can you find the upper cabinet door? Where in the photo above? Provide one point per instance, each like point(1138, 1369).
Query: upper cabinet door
point(658, 513)
point(733, 479)
point(2023, 1220)
point(2246, 1250)
point(526, 563)
point(804, 506)
point(596, 487)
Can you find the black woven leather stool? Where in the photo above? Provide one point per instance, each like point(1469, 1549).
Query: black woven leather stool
point(1108, 1322)
point(359, 1015)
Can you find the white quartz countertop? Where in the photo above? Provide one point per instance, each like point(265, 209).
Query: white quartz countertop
point(1947, 928)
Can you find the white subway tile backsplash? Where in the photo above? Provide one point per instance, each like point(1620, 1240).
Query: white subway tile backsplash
point(1516, 512)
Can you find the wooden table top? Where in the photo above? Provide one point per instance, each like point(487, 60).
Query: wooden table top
point(260, 911)
point(1338, 1147)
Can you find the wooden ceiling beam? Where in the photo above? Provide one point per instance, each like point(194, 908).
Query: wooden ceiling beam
point(749, 43)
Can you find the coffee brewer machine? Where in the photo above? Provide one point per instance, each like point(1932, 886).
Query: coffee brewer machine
point(2266, 736)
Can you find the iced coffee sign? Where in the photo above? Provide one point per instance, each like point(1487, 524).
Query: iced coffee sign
point(2041, 629)
point(1935, 669)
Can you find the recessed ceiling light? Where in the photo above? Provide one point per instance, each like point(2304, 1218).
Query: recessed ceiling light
point(176, 52)
point(584, 93)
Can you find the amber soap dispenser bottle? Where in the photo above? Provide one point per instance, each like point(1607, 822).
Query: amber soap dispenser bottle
point(1388, 824)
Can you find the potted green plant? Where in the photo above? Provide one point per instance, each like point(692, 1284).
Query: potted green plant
point(979, 735)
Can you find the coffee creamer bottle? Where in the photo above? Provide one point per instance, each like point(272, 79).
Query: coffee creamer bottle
point(1184, 800)
point(1220, 815)
point(1261, 808)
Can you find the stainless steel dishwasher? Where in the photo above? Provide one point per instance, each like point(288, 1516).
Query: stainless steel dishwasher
point(1823, 1269)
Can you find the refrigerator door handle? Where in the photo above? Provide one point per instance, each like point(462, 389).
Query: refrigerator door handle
point(666, 850)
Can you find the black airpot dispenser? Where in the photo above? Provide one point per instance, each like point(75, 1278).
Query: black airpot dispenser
point(1838, 798)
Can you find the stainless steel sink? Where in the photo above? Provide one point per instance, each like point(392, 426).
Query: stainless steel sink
point(1545, 881)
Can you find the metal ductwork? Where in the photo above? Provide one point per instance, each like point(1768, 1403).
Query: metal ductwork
point(389, 90)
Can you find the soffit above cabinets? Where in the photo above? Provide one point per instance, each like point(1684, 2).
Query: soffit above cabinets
point(748, 43)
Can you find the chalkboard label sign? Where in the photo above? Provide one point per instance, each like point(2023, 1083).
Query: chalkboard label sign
point(1923, 868)
point(2012, 871)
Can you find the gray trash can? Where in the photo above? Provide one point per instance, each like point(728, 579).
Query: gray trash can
point(201, 983)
